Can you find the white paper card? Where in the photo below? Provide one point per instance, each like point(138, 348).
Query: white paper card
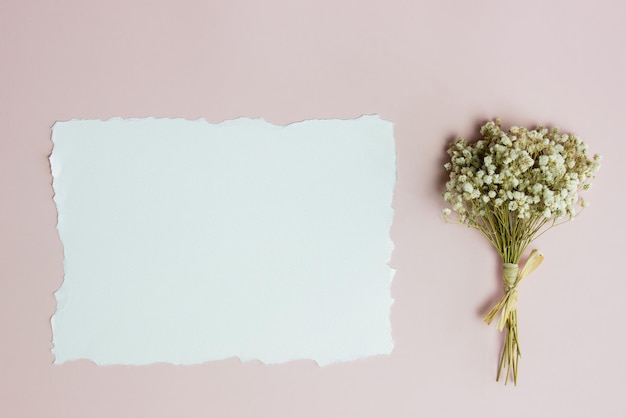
point(187, 241)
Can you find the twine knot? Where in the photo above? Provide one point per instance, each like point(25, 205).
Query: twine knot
point(512, 276)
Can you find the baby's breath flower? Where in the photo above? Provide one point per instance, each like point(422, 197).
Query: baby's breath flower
point(531, 175)
point(467, 187)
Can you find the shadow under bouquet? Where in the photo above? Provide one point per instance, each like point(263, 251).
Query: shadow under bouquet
point(512, 187)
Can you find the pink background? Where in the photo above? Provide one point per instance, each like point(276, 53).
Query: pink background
point(436, 69)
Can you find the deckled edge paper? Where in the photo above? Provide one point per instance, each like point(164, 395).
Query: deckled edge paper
point(187, 241)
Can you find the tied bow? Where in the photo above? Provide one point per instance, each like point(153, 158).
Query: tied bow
point(512, 279)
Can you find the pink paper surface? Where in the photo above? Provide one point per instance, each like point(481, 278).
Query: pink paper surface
point(437, 70)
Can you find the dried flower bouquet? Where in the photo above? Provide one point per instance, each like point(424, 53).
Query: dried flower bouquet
point(512, 187)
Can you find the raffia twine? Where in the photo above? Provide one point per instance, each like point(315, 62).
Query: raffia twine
point(507, 306)
point(511, 277)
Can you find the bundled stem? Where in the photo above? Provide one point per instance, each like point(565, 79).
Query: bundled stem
point(510, 236)
point(508, 320)
point(511, 276)
point(510, 352)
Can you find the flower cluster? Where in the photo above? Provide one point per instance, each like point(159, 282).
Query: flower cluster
point(530, 174)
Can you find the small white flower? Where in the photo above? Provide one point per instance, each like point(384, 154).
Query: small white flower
point(547, 213)
point(446, 211)
point(467, 187)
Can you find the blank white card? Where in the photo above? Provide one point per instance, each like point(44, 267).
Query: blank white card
point(187, 241)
